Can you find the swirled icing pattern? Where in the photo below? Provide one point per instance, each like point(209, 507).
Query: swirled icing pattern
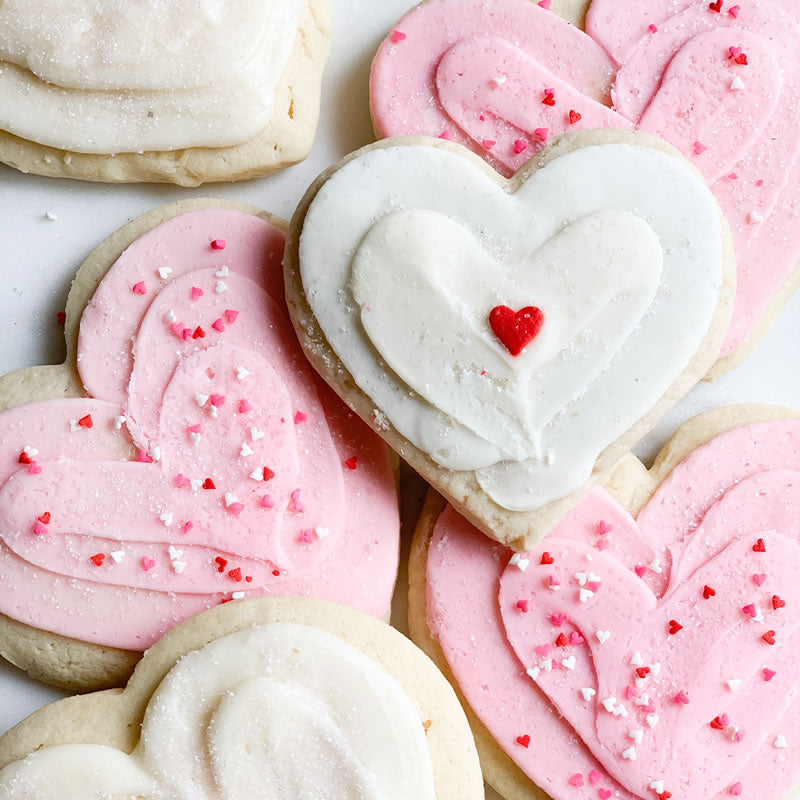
point(660, 653)
point(505, 76)
point(283, 711)
point(207, 462)
point(113, 77)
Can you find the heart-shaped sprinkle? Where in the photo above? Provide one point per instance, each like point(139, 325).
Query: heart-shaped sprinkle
point(44, 518)
point(588, 694)
point(197, 292)
point(674, 627)
point(682, 698)
point(720, 722)
point(768, 674)
point(759, 579)
point(637, 735)
point(603, 636)
point(734, 684)
point(769, 637)
point(735, 789)
point(574, 117)
point(595, 777)
point(546, 558)
point(716, 6)
point(777, 602)
point(222, 272)
point(636, 659)
point(657, 786)
point(231, 315)
point(181, 480)
point(780, 741)
point(230, 499)
point(256, 434)
point(218, 325)
point(220, 287)
point(174, 553)
point(629, 753)
point(524, 740)
point(568, 663)
point(734, 11)
point(708, 592)
point(575, 638)
point(750, 610)
point(98, 559)
point(209, 484)
point(516, 329)
point(642, 672)
point(139, 288)
point(236, 574)
point(576, 779)
point(519, 562)
point(166, 518)
point(117, 556)
point(86, 422)
point(245, 450)
point(520, 146)
point(652, 720)
point(760, 546)
point(604, 794)
point(236, 508)
point(217, 244)
point(147, 563)
point(164, 272)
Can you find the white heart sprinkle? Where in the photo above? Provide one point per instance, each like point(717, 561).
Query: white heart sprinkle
point(221, 287)
point(178, 566)
point(155, 453)
point(499, 80)
point(237, 596)
point(257, 474)
point(194, 438)
point(533, 672)
point(652, 720)
point(170, 316)
point(581, 578)
point(256, 434)
point(754, 218)
point(603, 636)
point(30, 451)
point(780, 741)
point(73, 426)
point(657, 787)
point(230, 498)
point(166, 518)
point(637, 660)
point(546, 665)
point(620, 711)
point(321, 532)
point(640, 682)
point(174, 553)
point(245, 450)
point(737, 84)
point(195, 484)
point(592, 578)
point(630, 754)
point(588, 694)
point(734, 684)
point(636, 735)
point(201, 399)
point(222, 272)
point(655, 566)
point(164, 272)
point(213, 412)
point(609, 703)
point(759, 617)
point(568, 663)
point(242, 373)
point(519, 562)
point(655, 668)
point(585, 594)
point(119, 422)
point(117, 556)
point(643, 700)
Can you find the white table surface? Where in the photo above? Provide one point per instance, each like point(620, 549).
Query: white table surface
point(39, 257)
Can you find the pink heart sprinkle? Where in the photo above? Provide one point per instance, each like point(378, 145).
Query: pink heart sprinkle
point(446, 135)
point(602, 544)
point(738, 736)
point(520, 146)
point(217, 244)
point(148, 563)
point(750, 610)
point(542, 134)
point(733, 176)
point(181, 480)
point(187, 526)
point(39, 528)
point(699, 148)
point(576, 779)
point(195, 428)
point(305, 537)
point(553, 581)
point(197, 292)
point(267, 502)
point(734, 51)
point(522, 605)
point(758, 580)
point(177, 328)
point(542, 650)
point(576, 638)
point(724, 719)
point(217, 399)
point(631, 692)
point(398, 36)
point(300, 417)
point(603, 528)
point(218, 325)
point(595, 777)
point(682, 697)
point(604, 794)
point(488, 143)
point(139, 288)
point(768, 674)
point(34, 468)
point(650, 708)
point(558, 619)
point(652, 28)
point(298, 506)
point(244, 406)
point(187, 335)
point(236, 508)
point(143, 458)
point(736, 788)
point(640, 570)
point(593, 586)
point(231, 315)
point(545, 4)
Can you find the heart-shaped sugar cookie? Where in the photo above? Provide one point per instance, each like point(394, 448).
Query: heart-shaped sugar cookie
point(400, 257)
point(722, 85)
point(192, 459)
point(282, 698)
point(641, 655)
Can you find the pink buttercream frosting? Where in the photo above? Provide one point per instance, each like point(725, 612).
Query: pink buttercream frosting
point(207, 461)
point(636, 653)
point(480, 73)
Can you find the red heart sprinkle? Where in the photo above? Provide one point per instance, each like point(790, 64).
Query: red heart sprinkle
point(665, 796)
point(708, 592)
point(716, 6)
point(562, 640)
point(221, 563)
point(549, 99)
point(276, 572)
point(640, 570)
point(267, 474)
point(351, 462)
point(199, 333)
point(574, 117)
point(98, 559)
point(546, 558)
point(24, 458)
point(760, 547)
point(236, 574)
point(524, 740)
point(208, 484)
point(516, 329)
point(44, 518)
point(674, 627)
point(719, 723)
point(777, 602)
point(643, 672)
point(86, 422)
point(769, 637)
point(741, 59)
point(61, 317)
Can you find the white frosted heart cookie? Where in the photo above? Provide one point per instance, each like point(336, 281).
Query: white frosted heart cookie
point(174, 92)
point(281, 698)
point(511, 339)
point(184, 455)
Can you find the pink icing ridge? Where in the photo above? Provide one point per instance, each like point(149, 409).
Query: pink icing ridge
point(102, 499)
point(675, 82)
point(701, 524)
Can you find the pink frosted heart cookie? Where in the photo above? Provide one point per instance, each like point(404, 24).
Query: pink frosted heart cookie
point(723, 86)
point(511, 339)
point(192, 459)
point(648, 644)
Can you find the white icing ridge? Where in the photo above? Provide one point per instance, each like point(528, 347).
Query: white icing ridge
point(283, 711)
point(406, 249)
point(110, 76)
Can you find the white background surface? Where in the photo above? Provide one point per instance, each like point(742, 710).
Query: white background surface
point(38, 257)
